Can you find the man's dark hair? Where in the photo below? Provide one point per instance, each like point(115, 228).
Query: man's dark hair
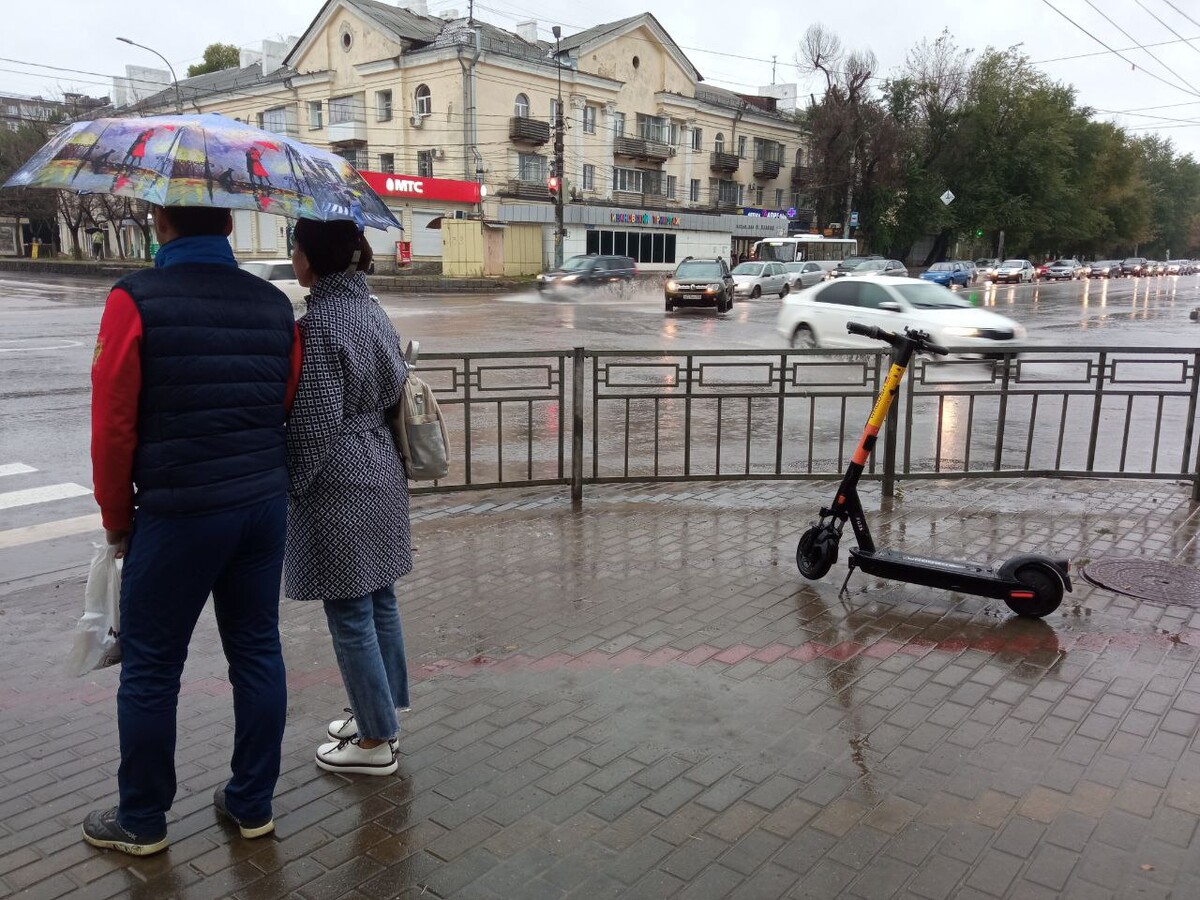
point(192, 221)
point(330, 246)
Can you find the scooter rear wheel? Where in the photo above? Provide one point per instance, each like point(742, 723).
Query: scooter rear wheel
point(1047, 589)
point(817, 551)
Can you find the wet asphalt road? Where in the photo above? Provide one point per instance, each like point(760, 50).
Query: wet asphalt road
point(48, 326)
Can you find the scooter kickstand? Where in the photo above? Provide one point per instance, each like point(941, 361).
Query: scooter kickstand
point(843, 593)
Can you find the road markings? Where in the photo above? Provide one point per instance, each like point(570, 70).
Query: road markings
point(42, 494)
point(15, 469)
point(32, 534)
point(65, 345)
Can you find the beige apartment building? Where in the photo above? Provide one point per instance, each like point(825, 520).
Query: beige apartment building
point(454, 117)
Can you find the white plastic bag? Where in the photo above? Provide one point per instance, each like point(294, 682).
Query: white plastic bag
point(97, 634)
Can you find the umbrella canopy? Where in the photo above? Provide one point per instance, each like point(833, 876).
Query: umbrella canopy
point(204, 160)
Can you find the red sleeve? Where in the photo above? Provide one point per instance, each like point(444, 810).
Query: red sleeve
point(116, 383)
point(294, 377)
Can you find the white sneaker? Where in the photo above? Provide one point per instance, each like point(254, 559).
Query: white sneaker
point(349, 757)
point(343, 729)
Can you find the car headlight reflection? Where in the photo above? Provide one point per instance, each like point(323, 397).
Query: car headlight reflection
point(672, 285)
point(962, 332)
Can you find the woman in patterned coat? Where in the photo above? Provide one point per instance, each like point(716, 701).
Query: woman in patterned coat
point(348, 527)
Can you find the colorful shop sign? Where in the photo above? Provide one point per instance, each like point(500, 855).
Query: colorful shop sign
point(643, 219)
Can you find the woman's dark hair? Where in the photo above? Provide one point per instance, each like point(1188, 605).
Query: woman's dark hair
point(330, 246)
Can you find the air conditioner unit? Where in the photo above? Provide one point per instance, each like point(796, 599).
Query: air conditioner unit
point(438, 153)
point(415, 120)
point(671, 151)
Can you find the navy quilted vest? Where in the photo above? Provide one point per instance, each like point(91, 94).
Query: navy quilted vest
point(216, 345)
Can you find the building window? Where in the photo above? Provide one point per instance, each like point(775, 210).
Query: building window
point(642, 246)
point(589, 177)
point(387, 163)
point(521, 107)
point(618, 124)
point(694, 191)
point(758, 195)
point(424, 100)
point(742, 147)
point(629, 180)
point(719, 143)
point(779, 198)
point(353, 155)
point(383, 105)
point(554, 110)
point(344, 109)
point(425, 163)
point(697, 138)
point(589, 120)
point(672, 186)
point(314, 114)
point(729, 192)
point(531, 168)
point(274, 119)
point(741, 195)
point(654, 128)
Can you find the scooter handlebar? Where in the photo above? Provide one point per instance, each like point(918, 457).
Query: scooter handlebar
point(920, 338)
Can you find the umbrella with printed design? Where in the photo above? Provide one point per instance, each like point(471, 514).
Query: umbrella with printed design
point(204, 160)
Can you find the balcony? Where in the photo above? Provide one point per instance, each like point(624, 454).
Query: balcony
point(726, 205)
point(801, 176)
point(724, 162)
point(767, 168)
point(525, 190)
point(347, 133)
point(639, 148)
point(524, 130)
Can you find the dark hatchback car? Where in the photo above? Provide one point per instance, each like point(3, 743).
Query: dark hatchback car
point(1135, 265)
point(700, 282)
point(589, 272)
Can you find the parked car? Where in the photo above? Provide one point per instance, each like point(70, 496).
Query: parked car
point(874, 266)
point(849, 264)
point(987, 268)
point(804, 274)
point(1106, 268)
point(973, 272)
point(589, 272)
point(1177, 267)
point(753, 279)
point(1134, 265)
point(1040, 269)
point(818, 317)
point(1064, 270)
point(1016, 270)
point(948, 274)
point(280, 273)
point(700, 282)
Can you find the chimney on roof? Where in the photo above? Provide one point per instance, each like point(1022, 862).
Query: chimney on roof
point(449, 14)
point(528, 31)
point(420, 7)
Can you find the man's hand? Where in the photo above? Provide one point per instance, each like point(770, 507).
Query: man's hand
point(118, 538)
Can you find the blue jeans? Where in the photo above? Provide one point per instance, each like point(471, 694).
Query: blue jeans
point(173, 564)
point(369, 646)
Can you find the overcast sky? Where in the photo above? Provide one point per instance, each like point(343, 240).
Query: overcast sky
point(79, 37)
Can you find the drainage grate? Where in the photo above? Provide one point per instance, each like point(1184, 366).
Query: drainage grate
point(1147, 579)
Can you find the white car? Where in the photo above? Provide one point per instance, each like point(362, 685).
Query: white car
point(753, 279)
point(1018, 270)
point(817, 317)
point(280, 273)
point(804, 274)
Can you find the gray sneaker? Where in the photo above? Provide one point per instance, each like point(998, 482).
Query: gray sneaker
point(249, 829)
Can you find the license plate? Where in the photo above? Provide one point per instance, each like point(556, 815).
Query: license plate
point(693, 297)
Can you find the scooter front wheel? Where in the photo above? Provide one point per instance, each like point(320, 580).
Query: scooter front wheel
point(1045, 586)
point(817, 551)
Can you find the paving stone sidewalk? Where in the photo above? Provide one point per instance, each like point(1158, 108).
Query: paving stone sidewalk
point(642, 698)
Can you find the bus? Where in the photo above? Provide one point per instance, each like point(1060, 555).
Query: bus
point(804, 247)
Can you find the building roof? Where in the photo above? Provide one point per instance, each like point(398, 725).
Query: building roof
point(223, 81)
point(598, 33)
point(403, 24)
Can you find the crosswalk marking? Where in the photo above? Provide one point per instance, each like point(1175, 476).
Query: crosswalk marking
point(45, 494)
point(15, 469)
point(31, 534)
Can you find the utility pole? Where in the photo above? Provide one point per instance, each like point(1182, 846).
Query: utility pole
point(849, 195)
point(558, 155)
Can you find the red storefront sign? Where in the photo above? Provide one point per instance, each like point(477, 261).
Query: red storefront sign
point(413, 187)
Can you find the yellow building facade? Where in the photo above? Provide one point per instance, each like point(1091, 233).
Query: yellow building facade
point(649, 149)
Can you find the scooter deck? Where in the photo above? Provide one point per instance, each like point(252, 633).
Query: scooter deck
point(947, 574)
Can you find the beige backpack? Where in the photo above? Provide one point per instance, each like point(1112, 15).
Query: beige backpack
point(418, 426)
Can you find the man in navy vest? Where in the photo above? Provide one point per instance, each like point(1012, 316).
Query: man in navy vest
point(193, 375)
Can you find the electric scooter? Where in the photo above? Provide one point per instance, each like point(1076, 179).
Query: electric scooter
point(1031, 584)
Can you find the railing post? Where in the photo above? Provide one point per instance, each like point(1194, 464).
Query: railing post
point(1191, 427)
point(578, 366)
point(1008, 362)
point(1097, 405)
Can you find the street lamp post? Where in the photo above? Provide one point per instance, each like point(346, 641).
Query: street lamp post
point(174, 79)
point(558, 155)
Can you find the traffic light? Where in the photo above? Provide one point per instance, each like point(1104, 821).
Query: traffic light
point(554, 185)
point(978, 232)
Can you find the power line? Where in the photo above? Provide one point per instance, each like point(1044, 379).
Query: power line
point(1181, 12)
point(1153, 75)
point(1165, 25)
point(1187, 86)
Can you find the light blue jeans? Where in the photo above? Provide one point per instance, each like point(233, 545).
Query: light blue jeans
point(369, 646)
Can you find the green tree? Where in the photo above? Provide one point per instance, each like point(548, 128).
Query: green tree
point(216, 58)
point(32, 205)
